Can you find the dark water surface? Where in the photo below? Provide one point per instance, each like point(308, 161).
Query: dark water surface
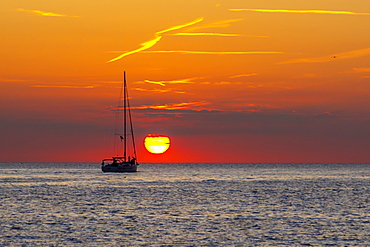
point(75, 204)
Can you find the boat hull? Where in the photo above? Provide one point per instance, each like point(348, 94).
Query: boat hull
point(119, 168)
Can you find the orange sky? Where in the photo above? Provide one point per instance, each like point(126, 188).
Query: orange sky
point(228, 81)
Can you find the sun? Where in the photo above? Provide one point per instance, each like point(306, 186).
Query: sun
point(156, 144)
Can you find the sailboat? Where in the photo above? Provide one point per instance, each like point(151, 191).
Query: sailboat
point(125, 162)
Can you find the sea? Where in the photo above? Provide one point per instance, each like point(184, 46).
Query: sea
point(178, 204)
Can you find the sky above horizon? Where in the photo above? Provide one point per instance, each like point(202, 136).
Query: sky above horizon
point(227, 81)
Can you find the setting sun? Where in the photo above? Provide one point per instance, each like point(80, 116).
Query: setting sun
point(157, 144)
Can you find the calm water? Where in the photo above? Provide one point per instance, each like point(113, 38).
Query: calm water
point(185, 205)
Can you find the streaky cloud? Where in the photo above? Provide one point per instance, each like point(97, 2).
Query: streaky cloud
point(157, 37)
point(333, 12)
point(13, 80)
point(360, 70)
point(175, 106)
point(226, 83)
point(180, 26)
point(151, 90)
point(219, 52)
point(219, 34)
point(207, 34)
point(242, 75)
point(224, 23)
point(163, 83)
point(159, 90)
point(64, 86)
point(330, 58)
point(219, 24)
point(144, 46)
point(155, 82)
point(43, 13)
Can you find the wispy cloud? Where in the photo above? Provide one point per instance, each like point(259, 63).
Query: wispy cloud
point(207, 34)
point(252, 107)
point(144, 46)
point(175, 106)
point(181, 81)
point(330, 58)
point(65, 86)
point(361, 70)
point(219, 52)
point(242, 75)
point(159, 90)
point(218, 24)
point(333, 12)
point(218, 34)
point(365, 70)
point(13, 80)
point(226, 83)
point(43, 13)
point(180, 26)
point(157, 37)
point(155, 82)
point(224, 23)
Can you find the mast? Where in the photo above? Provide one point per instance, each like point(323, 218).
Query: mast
point(124, 117)
point(131, 127)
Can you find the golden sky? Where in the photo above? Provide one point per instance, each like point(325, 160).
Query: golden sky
point(230, 80)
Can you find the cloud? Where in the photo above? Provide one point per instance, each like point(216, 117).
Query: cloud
point(215, 52)
point(224, 23)
point(13, 80)
point(157, 37)
point(333, 12)
point(144, 46)
point(242, 75)
point(155, 82)
point(207, 34)
point(219, 52)
point(219, 24)
point(63, 86)
point(175, 106)
point(159, 90)
point(325, 115)
point(181, 81)
point(330, 58)
point(226, 83)
point(361, 70)
point(248, 107)
point(42, 13)
point(180, 26)
point(218, 34)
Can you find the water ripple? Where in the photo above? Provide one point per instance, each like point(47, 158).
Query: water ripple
point(176, 205)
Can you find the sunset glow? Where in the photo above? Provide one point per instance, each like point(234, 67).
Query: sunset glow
point(228, 81)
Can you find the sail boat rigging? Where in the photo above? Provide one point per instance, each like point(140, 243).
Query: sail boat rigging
point(124, 163)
